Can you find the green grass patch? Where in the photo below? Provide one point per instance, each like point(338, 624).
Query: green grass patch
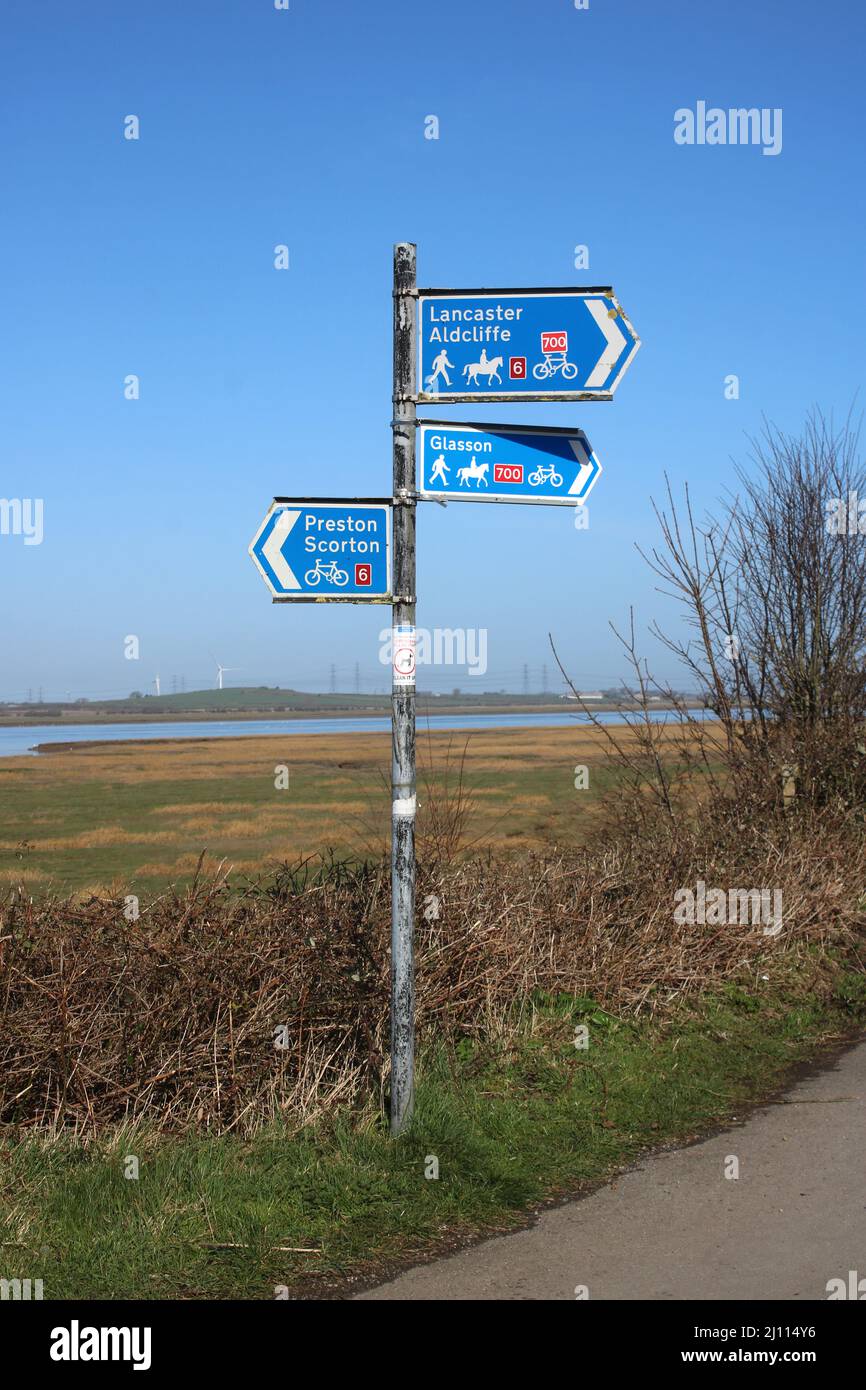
point(509, 1122)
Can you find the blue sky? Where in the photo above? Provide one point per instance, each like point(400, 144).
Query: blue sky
point(306, 127)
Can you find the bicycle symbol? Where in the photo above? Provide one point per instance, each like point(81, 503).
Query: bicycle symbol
point(554, 362)
point(545, 473)
point(327, 570)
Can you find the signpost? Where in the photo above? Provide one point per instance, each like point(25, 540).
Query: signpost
point(403, 797)
point(449, 345)
point(505, 463)
point(315, 551)
point(522, 345)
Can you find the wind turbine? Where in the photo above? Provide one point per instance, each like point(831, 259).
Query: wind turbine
point(156, 683)
point(221, 671)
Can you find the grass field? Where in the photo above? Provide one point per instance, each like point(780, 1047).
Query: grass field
point(509, 1121)
point(136, 816)
point(511, 1107)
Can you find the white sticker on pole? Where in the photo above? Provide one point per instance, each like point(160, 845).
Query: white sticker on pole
point(403, 649)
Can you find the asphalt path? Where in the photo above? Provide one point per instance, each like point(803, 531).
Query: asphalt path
point(676, 1227)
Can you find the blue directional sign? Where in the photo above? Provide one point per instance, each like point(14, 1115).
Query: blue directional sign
point(316, 551)
point(568, 344)
point(505, 463)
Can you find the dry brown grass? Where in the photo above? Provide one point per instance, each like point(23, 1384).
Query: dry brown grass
point(172, 1018)
point(93, 814)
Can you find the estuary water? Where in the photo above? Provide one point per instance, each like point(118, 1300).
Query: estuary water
point(23, 738)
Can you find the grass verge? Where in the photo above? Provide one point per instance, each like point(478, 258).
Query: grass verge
point(511, 1121)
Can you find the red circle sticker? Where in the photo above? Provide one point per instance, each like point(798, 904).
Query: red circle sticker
point(403, 658)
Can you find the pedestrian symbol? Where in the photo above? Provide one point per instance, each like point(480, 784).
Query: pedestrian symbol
point(439, 471)
point(438, 369)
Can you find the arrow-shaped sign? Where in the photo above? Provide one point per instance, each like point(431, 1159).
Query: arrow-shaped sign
point(272, 550)
point(588, 468)
point(563, 344)
point(505, 463)
point(615, 345)
point(314, 550)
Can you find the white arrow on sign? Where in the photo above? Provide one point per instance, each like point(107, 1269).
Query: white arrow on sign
point(272, 550)
point(614, 344)
point(587, 468)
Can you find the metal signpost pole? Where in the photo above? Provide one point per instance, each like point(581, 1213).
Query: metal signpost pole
point(403, 800)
